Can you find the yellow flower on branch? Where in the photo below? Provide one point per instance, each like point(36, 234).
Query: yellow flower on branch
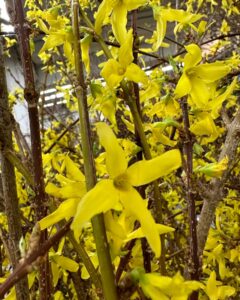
point(114, 71)
point(72, 188)
point(158, 287)
point(118, 10)
point(163, 15)
point(216, 291)
point(196, 79)
point(119, 188)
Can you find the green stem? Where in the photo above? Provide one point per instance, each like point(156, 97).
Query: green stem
point(86, 261)
point(109, 288)
point(139, 128)
point(16, 162)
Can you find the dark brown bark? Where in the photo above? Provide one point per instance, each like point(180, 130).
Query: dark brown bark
point(23, 30)
point(188, 152)
point(9, 183)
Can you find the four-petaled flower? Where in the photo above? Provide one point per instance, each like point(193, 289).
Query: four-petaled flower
point(114, 71)
point(119, 187)
point(118, 10)
point(196, 80)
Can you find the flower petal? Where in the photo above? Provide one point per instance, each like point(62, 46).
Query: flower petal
point(125, 51)
point(100, 199)
point(70, 190)
point(73, 171)
point(160, 32)
point(134, 203)
point(115, 157)
point(193, 57)
point(183, 87)
point(200, 92)
point(66, 210)
point(119, 22)
point(85, 45)
point(145, 171)
point(211, 72)
point(113, 72)
point(104, 11)
point(138, 233)
point(134, 4)
point(136, 74)
point(66, 263)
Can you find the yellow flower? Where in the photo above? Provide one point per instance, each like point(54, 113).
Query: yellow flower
point(216, 291)
point(158, 287)
point(196, 79)
point(73, 187)
point(114, 71)
point(119, 187)
point(164, 15)
point(118, 10)
point(214, 169)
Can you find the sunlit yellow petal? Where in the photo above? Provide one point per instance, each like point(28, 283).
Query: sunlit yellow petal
point(113, 226)
point(100, 199)
point(85, 45)
point(211, 288)
point(115, 156)
point(134, 4)
point(211, 72)
point(205, 126)
point(225, 291)
point(145, 171)
point(66, 263)
point(103, 11)
point(200, 92)
point(163, 282)
point(152, 91)
point(216, 104)
point(53, 190)
point(119, 22)
point(66, 210)
point(134, 204)
point(136, 74)
point(113, 72)
point(153, 292)
point(125, 51)
point(52, 41)
point(160, 33)
point(72, 190)
point(181, 16)
point(193, 57)
point(73, 171)
point(138, 233)
point(183, 87)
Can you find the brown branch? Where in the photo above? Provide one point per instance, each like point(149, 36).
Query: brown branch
point(9, 181)
point(32, 97)
point(221, 37)
point(33, 259)
point(188, 151)
point(61, 135)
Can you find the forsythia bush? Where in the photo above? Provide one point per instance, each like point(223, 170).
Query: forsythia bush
point(165, 134)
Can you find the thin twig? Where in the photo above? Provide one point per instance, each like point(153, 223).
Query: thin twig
point(37, 255)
